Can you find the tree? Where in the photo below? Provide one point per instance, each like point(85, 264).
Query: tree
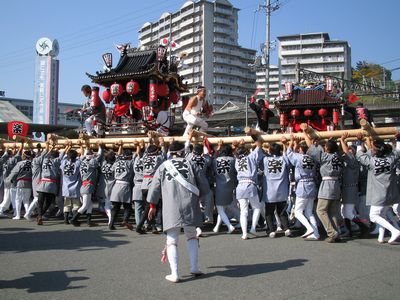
point(370, 71)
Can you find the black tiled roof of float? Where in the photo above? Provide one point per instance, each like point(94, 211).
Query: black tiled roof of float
point(133, 64)
point(309, 98)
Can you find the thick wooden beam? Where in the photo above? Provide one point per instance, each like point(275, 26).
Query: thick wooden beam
point(381, 132)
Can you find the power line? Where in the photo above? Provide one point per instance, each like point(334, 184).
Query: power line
point(74, 36)
point(390, 61)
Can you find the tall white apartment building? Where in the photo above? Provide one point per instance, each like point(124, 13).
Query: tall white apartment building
point(315, 52)
point(273, 82)
point(207, 31)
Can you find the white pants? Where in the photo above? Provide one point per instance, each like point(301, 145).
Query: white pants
point(172, 248)
point(192, 121)
point(107, 208)
point(244, 212)
point(303, 211)
point(9, 197)
point(23, 195)
point(32, 206)
point(377, 215)
point(87, 204)
point(89, 125)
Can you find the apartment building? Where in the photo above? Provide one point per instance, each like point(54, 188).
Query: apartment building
point(315, 52)
point(207, 31)
point(273, 82)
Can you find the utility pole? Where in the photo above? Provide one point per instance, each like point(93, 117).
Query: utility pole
point(267, 47)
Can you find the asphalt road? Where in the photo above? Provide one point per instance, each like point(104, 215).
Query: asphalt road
point(56, 261)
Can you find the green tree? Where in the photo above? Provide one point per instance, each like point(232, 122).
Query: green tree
point(370, 70)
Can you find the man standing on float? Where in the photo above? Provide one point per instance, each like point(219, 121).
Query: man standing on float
point(193, 110)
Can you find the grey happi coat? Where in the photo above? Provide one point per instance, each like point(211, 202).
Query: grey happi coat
point(225, 179)
point(180, 206)
point(382, 189)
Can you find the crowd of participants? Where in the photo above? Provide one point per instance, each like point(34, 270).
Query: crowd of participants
point(348, 189)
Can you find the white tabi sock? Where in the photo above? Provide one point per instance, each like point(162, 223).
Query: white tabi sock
point(172, 254)
point(218, 225)
point(17, 209)
point(256, 217)
point(32, 206)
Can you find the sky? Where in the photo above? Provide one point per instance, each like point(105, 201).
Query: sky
point(86, 29)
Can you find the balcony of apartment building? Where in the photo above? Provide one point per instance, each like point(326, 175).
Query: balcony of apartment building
point(187, 12)
point(190, 70)
point(333, 49)
point(190, 21)
point(333, 59)
point(288, 71)
point(222, 40)
point(193, 60)
point(224, 11)
point(221, 60)
point(164, 32)
point(312, 41)
point(287, 62)
point(221, 49)
point(221, 20)
point(186, 32)
point(185, 42)
point(145, 32)
point(287, 52)
point(145, 41)
point(223, 30)
point(333, 69)
point(311, 50)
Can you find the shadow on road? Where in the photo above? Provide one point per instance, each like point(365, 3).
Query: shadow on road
point(16, 229)
point(236, 271)
point(51, 281)
point(81, 240)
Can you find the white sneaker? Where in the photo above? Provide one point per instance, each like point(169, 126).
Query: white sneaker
point(393, 239)
point(245, 237)
point(279, 229)
point(272, 234)
point(288, 232)
point(198, 232)
point(253, 231)
point(28, 217)
point(231, 229)
point(172, 278)
point(215, 229)
point(17, 218)
point(312, 237)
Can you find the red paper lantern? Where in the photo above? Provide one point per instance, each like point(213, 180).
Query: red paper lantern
point(335, 117)
point(116, 89)
point(163, 90)
point(107, 95)
point(132, 87)
point(295, 113)
point(308, 113)
point(322, 113)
